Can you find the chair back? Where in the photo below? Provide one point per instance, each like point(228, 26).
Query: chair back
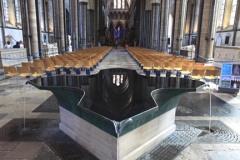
point(214, 73)
point(199, 64)
point(49, 65)
point(47, 60)
point(210, 67)
point(148, 64)
point(68, 63)
point(198, 72)
point(187, 68)
point(87, 63)
point(37, 70)
point(189, 64)
point(179, 64)
point(38, 64)
point(77, 63)
point(23, 69)
point(158, 64)
point(38, 61)
point(58, 62)
point(169, 64)
point(198, 67)
point(10, 70)
point(26, 64)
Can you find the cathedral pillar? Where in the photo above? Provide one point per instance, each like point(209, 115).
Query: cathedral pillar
point(33, 28)
point(207, 29)
point(72, 24)
point(178, 25)
point(82, 22)
point(163, 45)
point(76, 23)
point(61, 25)
point(155, 24)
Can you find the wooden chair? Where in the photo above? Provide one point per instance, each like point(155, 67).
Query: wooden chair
point(68, 64)
point(168, 66)
point(36, 72)
point(179, 65)
point(87, 64)
point(49, 66)
point(158, 65)
point(26, 64)
point(210, 68)
point(9, 71)
point(199, 64)
point(58, 63)
point(38, 61)
point(38, 64)
point(200, 67)
point(148, 65)
point(186, 69)
point(77, 64)
point(23, 71)
point(211, 74)
point(47, 60)
point(189, 64)
point(197, 73)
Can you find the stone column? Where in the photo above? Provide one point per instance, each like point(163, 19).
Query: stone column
point(25, 28)
point(56, 24)
point(236, 22)
point(155, 24)
point(196, 18)
point(72, 22)
point(2, 23)
point(179, 24)
point(207, 29)
point(163, 45)
point(61, 25)
point(33, 28)
point(76, 23)
point(82, 22)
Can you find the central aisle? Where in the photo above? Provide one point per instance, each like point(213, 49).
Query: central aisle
point(118, 58)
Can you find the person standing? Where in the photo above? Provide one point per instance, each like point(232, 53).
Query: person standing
point(17, 45)
point(7, 46)
point(116, 44)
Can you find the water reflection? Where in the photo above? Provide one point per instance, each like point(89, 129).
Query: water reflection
point(117, 93)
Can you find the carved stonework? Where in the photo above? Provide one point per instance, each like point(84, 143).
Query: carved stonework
point(12, 54)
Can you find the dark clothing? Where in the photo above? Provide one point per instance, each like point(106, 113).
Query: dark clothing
point(16, 46)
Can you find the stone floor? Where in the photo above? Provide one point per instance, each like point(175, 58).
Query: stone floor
point(12, 109)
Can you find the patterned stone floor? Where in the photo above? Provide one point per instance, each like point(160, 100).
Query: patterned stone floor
point(200, 144)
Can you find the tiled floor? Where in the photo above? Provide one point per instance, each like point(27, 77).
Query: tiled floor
point(12, 106)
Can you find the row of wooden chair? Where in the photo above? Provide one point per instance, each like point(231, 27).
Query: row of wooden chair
point(23, 71)
point(173, 66)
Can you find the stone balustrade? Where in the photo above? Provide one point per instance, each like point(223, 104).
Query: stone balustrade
point(12, 54)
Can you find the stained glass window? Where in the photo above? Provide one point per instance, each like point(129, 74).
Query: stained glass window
point(112, 33)
point(6, 15)
point(119, 4)
point(17, 11)
point(115, 4)
point(123, 4)
point(118, 32)
point(234, 5)
point(221, 13)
